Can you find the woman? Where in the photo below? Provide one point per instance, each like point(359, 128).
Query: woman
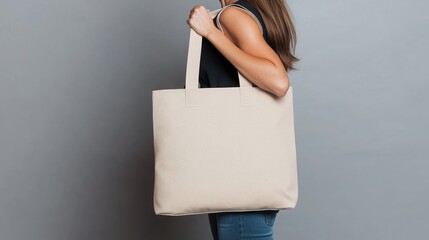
point(257, 38)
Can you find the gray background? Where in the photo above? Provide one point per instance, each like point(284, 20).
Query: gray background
point(76, 150)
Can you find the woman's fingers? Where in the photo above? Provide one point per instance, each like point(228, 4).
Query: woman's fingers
point(200, 20)
point(194, 9)
point(197, 8)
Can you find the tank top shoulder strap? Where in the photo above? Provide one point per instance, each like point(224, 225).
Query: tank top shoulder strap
point(247, 9)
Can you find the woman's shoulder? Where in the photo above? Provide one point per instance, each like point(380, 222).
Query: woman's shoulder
point(253, 11)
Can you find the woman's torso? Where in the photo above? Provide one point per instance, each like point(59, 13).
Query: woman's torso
point(215, 69)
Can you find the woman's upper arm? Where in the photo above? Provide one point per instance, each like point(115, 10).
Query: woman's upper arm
point(244, 31)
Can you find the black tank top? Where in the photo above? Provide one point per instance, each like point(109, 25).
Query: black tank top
point(215, 69)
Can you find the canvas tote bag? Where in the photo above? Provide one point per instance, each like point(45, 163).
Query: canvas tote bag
point(222, 149)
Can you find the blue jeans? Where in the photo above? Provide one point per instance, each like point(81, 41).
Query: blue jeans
point(255, 225)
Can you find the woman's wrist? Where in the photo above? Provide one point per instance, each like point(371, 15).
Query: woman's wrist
point(211, 35)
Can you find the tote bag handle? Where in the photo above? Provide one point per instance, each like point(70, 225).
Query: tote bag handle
point(194, 58)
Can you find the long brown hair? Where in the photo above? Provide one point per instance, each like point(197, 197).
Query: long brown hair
point(280, 29)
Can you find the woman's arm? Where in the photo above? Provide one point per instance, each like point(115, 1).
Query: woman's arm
point(243, 44)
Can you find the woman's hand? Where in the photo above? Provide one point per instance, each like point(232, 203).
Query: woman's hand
point(200, 20)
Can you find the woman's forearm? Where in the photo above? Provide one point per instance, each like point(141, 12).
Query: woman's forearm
point(262, 72)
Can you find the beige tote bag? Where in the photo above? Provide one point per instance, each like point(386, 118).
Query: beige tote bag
point(222, 149)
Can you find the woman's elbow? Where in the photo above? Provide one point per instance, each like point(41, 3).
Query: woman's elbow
point(281, 88)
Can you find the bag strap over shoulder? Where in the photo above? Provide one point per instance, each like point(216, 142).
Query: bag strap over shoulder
point(194, 58)
point(242, 8)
